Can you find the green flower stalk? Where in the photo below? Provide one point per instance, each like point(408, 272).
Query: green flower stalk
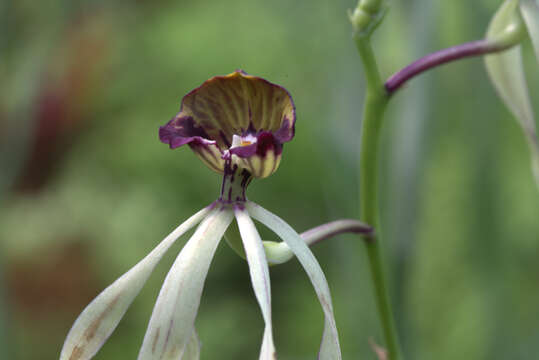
point(506, 31)
point(237, 125)
point(365, 18)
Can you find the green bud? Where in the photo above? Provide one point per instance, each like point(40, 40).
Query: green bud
point(367, 16)
point(277, 252)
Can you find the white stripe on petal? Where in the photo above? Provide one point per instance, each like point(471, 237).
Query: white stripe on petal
point(329, 348)
point(95, 324)
point(258, 268)
point(173, 316)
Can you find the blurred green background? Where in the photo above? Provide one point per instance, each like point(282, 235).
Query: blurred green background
point(86, 188)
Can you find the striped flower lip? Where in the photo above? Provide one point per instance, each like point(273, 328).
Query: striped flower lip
point(234, 121)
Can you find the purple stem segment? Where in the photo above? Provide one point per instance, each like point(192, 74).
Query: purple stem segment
point(325, 231)
point(469, 49)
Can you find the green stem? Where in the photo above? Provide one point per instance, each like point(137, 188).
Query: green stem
point(376, 100)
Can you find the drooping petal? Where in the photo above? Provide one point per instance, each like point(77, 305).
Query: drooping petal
point(506, 72)
point(507, 75)
point(258, 268)
point(530, 13)
point(329, 348)
point(173, 317)
point(97, 321)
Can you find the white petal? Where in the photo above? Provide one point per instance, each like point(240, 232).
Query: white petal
point(329, 349)
point(507, 75)
point(506, 72)
point(173, 316)
point(530, 13)
point(95, 324)
point(192, 349)
point(258, 268)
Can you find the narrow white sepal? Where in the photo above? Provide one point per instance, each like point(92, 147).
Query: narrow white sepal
point(99, 319)
point(258, 268)
point(174, 314)
point(329, 348)
point(192, 349)
point(530, 13)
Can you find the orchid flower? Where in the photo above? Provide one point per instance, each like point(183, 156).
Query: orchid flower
point(237, 125)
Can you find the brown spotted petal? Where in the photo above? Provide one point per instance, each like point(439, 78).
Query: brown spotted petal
point(95, 324)
point(172, 323)
point(235, 105)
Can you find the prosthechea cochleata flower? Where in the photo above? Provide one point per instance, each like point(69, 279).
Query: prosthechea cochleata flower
point(237, 125)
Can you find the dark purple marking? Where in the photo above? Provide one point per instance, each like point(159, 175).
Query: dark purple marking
point(250, 129)
point(239, 206)
point(234, 191)
point(474, 48)
point(246, 176)
point(266, 141)
point(286, 131)
point(227, 173)
point(231, 191)
point(224, 138)
point(180, 131)
point(234, 168)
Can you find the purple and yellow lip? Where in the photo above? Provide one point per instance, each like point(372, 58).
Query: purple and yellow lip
point(237, 117)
